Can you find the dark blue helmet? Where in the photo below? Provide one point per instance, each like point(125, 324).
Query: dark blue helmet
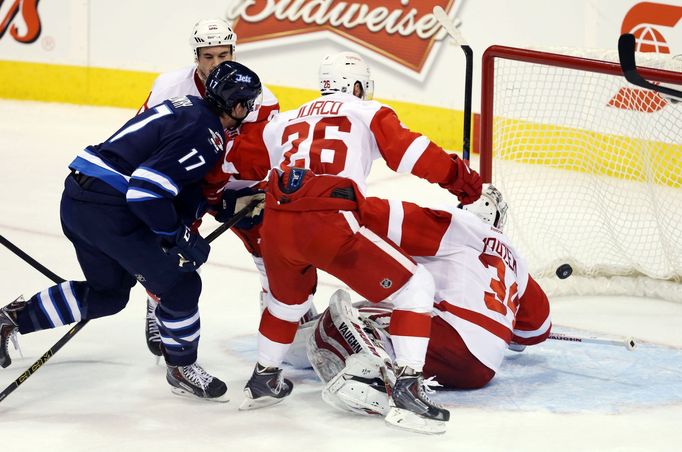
point(231, 83)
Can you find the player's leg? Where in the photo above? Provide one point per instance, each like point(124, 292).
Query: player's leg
point(379, 271)
point(292, 282)
point(450, 361)
point(177, 319)
point(127, 242)
point(105, 291)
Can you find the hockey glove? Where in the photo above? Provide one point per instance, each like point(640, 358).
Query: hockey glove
point(190, 248)
point(466, 184)
point(235, 200)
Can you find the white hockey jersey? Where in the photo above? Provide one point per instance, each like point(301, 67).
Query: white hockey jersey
point(481, 280)
point(342, 135)
point(186, 81)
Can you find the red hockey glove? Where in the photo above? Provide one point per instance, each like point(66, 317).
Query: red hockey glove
point(465, 183)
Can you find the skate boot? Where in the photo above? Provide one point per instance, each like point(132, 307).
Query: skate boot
point(265, 387)
point(9, 329)
point(194, 381)
point(310, 315)
point(151, 328)
point(411, 409)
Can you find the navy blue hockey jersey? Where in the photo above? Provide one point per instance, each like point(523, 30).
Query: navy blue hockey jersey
point(157, 155)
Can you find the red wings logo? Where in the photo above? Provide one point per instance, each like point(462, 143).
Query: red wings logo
point(26, 10)
point(400, 30)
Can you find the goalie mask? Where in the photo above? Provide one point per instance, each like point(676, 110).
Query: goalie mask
point(211, 33)
point(490, 207)
point(346, 72)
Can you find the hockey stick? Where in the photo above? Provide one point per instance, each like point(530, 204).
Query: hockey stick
point(32, 262)
point(629, 342)
point(626, 54)
point(77, 327)
point(449, 26)
point(232, 221)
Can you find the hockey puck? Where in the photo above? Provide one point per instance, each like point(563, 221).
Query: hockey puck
point(564, 271)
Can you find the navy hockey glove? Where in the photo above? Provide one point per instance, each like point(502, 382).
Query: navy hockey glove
point(235, 200)
point(190, 248)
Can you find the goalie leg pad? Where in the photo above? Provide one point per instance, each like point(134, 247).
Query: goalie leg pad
point(360, 387)
point(338, 334)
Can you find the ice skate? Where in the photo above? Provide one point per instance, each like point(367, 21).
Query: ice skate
point(194, 381)
point(151, 328)
point(9, 329)
point(411, 409)
point(265, 387)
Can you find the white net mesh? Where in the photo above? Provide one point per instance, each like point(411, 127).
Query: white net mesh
point(591, 167)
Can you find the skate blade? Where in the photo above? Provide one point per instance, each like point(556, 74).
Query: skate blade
point(253, 404)
point(407, 420)
point(190, 395)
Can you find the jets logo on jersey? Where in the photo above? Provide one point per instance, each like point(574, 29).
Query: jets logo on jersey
point(216, 140)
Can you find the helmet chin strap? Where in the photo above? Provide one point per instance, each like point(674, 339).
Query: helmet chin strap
point(238, 121)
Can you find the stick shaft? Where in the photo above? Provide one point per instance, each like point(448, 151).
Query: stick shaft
point(628, 343)
point(30, 261)
point(449, 26)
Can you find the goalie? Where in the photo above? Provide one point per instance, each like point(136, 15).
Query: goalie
point(485, 303)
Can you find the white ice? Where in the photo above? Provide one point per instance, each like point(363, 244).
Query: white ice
point(103, 391)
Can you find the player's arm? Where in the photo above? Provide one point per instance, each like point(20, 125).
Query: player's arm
point(419, 231)
point(406, 151)
point(246, 159)
point(156, 182)
point(533, 320)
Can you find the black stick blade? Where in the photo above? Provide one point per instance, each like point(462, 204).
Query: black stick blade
point(626, 55)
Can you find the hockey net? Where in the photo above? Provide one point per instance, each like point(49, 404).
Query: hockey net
point(590, 165)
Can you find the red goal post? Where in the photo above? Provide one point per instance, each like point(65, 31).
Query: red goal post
point(590, 165)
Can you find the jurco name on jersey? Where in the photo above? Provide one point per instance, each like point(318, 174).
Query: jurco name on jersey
point(320, 107)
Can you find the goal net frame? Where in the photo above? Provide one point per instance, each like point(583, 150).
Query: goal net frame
point(621, 282)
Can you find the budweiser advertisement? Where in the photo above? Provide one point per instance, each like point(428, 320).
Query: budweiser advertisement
point(403, 32)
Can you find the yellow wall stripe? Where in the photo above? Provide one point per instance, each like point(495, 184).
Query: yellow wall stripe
point(129, 89)
point(588, 152)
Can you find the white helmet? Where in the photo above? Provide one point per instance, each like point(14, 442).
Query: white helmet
point(212, 32)
point(340, 72)
point(490, 207)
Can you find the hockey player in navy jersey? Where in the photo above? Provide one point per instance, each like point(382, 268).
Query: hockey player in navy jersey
point(126, 206)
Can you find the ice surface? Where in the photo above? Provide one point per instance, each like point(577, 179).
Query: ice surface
point(103, 391)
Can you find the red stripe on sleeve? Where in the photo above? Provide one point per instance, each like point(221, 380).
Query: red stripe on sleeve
point(392, 138)
point(435, 165)
point(423, 229)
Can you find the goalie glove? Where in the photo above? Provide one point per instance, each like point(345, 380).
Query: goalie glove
point(235, 200)
point(465, 183)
